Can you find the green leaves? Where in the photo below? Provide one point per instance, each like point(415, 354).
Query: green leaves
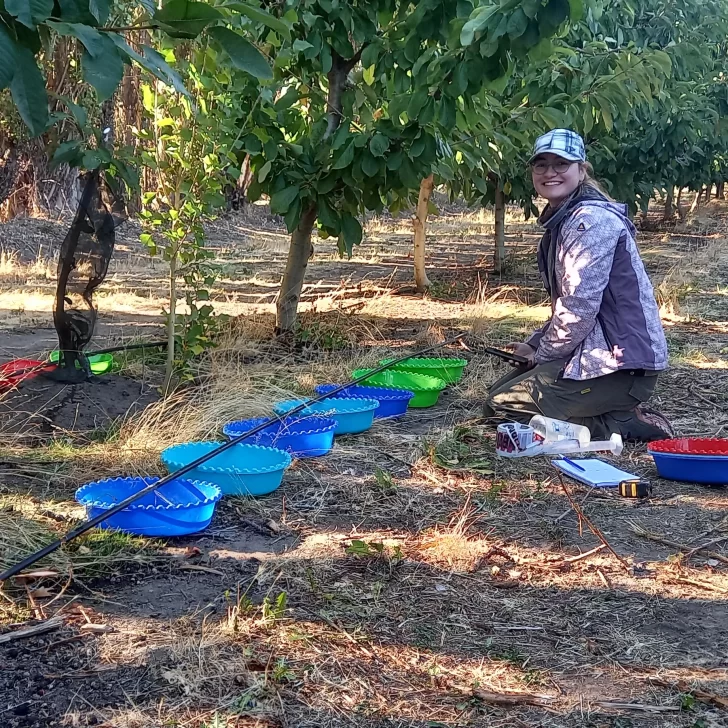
point(260, 16)
point(379, 145)
point(553, 15)
point(282, 200)
point(185, 18)
point(29, 12)
point(94, 42)
point(103, 72)
point(7, 58)
point(243, 54)
point(101, 63)
point(152, 62)
point(661, 60)
point(517, 23)
point(478, 21)
point(351, 231)
point(29, 92)
point(576, 10)
point(100, 10)
point(345, 158)
point(68, 152)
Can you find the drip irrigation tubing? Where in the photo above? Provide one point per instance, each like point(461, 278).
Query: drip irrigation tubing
point(81, 529)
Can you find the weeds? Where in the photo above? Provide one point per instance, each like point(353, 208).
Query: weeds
point(376, 550)
point(322, 336)
point(274, 610)
point(384, 482)
point(463, 450)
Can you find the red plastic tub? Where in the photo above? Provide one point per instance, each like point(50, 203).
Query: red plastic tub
point(14, 372)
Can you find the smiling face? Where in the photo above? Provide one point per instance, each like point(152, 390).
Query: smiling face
point(555, 178)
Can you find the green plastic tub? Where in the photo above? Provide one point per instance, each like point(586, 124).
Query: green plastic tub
point(449, 370)
point(99, 363)
point(427, 389)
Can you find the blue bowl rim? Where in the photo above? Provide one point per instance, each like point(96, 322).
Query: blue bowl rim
point(320, 425)
point(355, 404)
point(688, 456)
point(286, 459)
point(148, 481)
point(380, 393)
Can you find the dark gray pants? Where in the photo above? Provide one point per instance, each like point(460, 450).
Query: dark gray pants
point(604, 405)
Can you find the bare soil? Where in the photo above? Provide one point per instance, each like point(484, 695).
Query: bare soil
point(40, 408)
point(410, 576)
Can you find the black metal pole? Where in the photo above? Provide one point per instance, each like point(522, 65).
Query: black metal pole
point(79, 530)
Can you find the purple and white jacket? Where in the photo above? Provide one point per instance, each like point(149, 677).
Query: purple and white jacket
point(604, 314)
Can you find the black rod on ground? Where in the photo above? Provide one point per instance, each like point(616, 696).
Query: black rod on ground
point(130, 347)
point(80, 530)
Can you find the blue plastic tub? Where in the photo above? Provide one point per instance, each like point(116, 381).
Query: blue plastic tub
point(392, 402)
point(706, 469)
point(240, 470)
point(302, 437)
point(692, 459)
point(177, 508)
point(352, 416)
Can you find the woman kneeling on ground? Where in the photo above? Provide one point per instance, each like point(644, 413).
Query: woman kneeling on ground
point(596, 362)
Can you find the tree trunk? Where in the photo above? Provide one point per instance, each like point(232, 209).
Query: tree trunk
point(500, 229)
point(708, 192)
point(292, 283)
point(669, 204)
point(720, 190)
point(419, 222)
point(696, 200)
point(301, 248)
point(171, 323)
point(678, 204)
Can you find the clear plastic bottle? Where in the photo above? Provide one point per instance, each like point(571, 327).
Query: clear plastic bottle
point(550, 430)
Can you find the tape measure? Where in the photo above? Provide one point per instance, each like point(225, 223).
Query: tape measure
point(635, 489)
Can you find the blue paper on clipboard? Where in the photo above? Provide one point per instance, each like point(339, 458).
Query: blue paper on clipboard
point(594, 472)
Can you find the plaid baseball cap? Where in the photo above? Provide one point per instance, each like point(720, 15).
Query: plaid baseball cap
point(561, 142)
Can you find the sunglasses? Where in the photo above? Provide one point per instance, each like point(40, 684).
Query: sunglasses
point(541, 167)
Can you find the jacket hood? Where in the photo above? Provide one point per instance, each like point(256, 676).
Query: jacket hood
point(617, 208)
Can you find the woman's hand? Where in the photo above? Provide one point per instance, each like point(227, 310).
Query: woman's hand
point(524, 350)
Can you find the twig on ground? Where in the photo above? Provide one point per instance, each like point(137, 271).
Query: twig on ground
point(705, 545)
point(335, 626)
point(701, 584)
point(592, 527)
point(585, 555)
point(639, 531)
point(604, 579)
point(719, 701)
point(697, 394)
point(642, 707)
point(206, 569)
point(47, 626)
point(506, 699)
point(58, 643)
point(718, 526)
point(568, 510)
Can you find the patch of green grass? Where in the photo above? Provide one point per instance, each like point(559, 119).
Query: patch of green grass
point(384, 482)
point(26, 526)
point(463, 450)
point(322, 336)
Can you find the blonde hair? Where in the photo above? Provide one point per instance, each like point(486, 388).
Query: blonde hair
point(592, 182)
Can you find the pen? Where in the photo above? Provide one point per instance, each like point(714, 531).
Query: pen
point(576, 465)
